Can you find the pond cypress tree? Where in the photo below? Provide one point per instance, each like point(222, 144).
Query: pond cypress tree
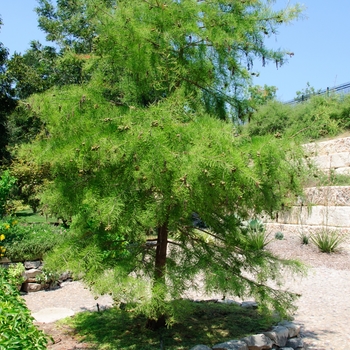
point(147, 147)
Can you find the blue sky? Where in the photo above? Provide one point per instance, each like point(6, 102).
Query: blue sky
point(320, 43)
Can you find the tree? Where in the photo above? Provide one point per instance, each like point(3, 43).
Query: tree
point(69, 23)
point(139, 152)
point(7, 102)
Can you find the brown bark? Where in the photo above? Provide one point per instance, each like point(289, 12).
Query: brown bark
point(159, 271)
point(161, 252)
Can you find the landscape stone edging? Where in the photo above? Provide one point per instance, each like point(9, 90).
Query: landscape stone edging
point(284, 336)
point(34, 268)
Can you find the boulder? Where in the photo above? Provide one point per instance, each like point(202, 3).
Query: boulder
point(32, 264)
point(200, 347)
point(293, 328)
point(31, 274)
point(295, 343)
point(32, 287)
point(249, 304)
point(258, 342)
point(231, 345)
point(278, 335)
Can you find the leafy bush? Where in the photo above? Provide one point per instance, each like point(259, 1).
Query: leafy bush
point(16, 322)
point(318, 117)
point(29, 242)
point(16, 274)
point(274, 117)
point(327, 241)
point(6, 184)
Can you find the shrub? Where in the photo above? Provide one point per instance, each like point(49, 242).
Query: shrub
point(16, 322)
point(327, 241)
point(29, 242)
point(255, 235)
point(6, 184)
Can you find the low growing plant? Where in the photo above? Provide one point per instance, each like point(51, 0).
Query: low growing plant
point(327, 241)
point(255, 235)
point(279, 235)
point(304, 238)
point(16, 323)
point(48, 277)
point(16, 273)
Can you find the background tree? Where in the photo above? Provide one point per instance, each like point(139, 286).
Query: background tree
point(145, 145)
point(7, 102)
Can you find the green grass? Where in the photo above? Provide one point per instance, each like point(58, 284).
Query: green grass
point(205, 323)
point(27, 216)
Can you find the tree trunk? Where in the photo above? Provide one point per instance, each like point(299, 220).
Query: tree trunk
point(159, 272)
point(162, 244)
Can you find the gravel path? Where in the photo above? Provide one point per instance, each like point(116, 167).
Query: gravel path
point(323, 308)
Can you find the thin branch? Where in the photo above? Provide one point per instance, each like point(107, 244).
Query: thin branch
point(175, 243)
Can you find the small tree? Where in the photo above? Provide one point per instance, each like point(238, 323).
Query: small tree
point(147, 145)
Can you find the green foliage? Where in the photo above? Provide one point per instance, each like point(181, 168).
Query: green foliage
point(318, 117)
point(194, 323)
point(304, 238)
point(16, 274)
point(120, 173)
point(29, 242)
point(6, 184)
point(149, 50)
point(272, 118)
point(31, 178)
point(7, 102)
point(16, 323)
point(47, 277)
point(279, 235)
point(255, 235)
point(327, 241)
point(134, 153)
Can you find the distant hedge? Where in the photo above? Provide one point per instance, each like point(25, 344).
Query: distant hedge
point(318, 117)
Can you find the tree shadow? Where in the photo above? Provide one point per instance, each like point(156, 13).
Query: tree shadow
point(204, 323)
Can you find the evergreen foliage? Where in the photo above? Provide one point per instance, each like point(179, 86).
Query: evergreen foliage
point(146, 146)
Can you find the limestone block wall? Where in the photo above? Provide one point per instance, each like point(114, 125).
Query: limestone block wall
point(331, 155)
point(322, 206)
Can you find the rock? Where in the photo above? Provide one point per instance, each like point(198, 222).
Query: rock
point(293, 328)
point(258, 342)
point(278, 335)
point(33, 287)
point(32, 264)
point(229, 301)
point(65, 276)
point(200, 347)
point(249, 304)
point(295, 343)
point(231, 345)
point(31, 274)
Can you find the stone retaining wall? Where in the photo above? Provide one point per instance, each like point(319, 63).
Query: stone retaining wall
point(331, 155)
point(33, 269)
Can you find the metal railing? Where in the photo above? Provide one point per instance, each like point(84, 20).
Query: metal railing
point(340, 89)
